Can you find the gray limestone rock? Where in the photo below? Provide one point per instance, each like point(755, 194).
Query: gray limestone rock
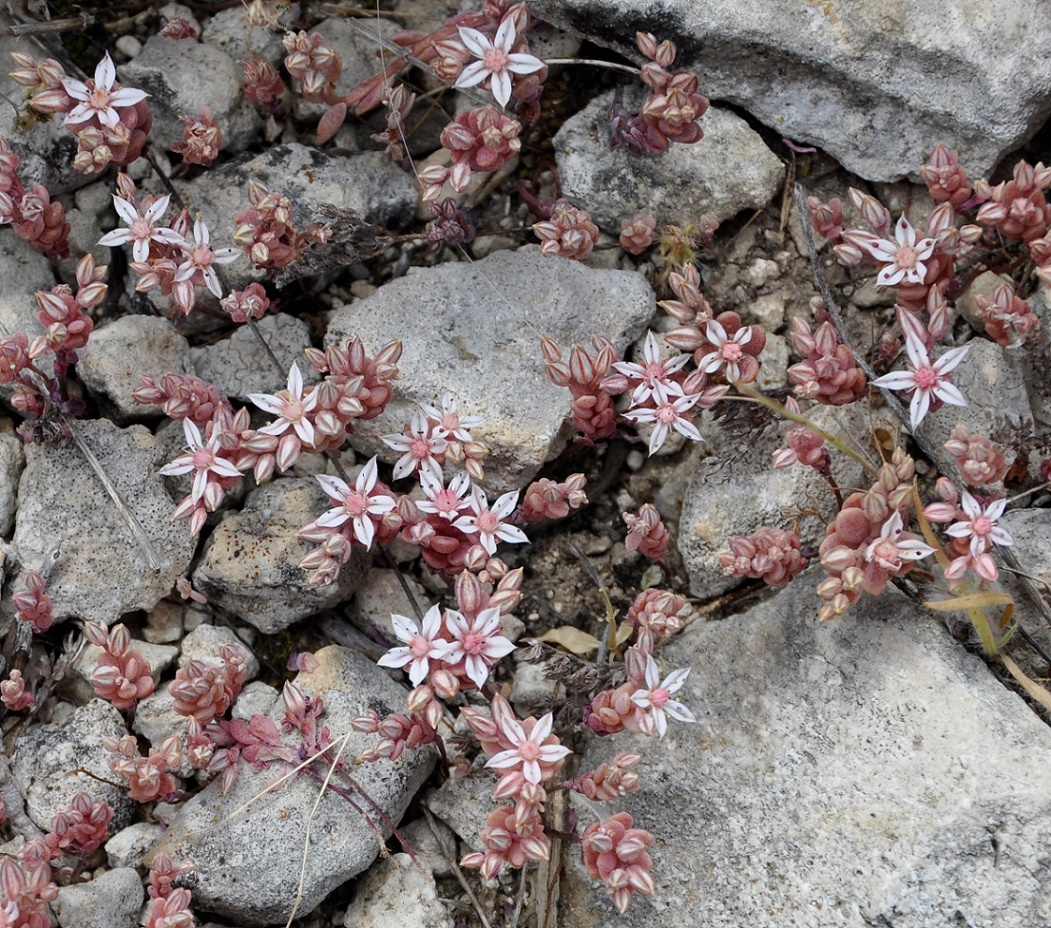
point(876, 83)
point(154, 344)
point(102, 572)
point(181, 76)
point(250, 564)
point(52, 764)
point(838, 775)
point(474, 331)
point(237, 364)
point(396, 893)
point(727, 171)
point(12, 461)
point(23, 271)
point(128, 847)
point(111, 900)
point(247, 860)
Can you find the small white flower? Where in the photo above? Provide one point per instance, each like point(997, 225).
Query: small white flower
point(528, 752)
point(654, 374)
point(141, 227)
point(447, 502)
point(904, 257)
point(668, 414)
point(497, 63)
point(981, 525)
point(657, 699)
point(102, 101)
point(419, 448)
point(201, 256)
point(202, 458)
point(357, 503)
point(477, 642)
point(450, 424)
point(422, 645)
point(487, 523)
point(889, 549)
point(292, 407)
point(923, 379)
point(727, 351)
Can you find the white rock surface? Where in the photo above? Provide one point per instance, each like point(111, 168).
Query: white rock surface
point(23, 271)
point(838, 775)
point(875, 83)
point(157, 349)
point(247, 864)
point(474, 331)
point(128, 847)
point(111, 900)
point(181, 76)
point(727, 171)
point(250, 564)
point(395, 893)
point(51, 764)
point(102, 572)
point(12, 461)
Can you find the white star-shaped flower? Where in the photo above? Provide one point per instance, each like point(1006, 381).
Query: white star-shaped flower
point(497, 62)
point(656, 699)
point(422, 645)
point(141, 227)
point(924, 379)
point(101, 101)
point(904, 257)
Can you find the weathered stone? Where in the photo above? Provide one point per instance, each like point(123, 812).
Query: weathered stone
point(247, 860)
point(728, 171)
point(102, 572)
point(111, 900)
point(838, 775)
point(396, 893)
point(876, 83)
point(474, 331)
point(250, 564)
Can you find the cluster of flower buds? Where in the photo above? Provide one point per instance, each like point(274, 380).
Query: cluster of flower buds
point(829, 372)
point(637, 233)
point(770, 554)
point(201, 139)
point(618, 854)
point(671, 111)
point(266, 232)
point(26, 893)
point(149, 778)
point(546, 499)
point(867, 544)
point(646, 532)
point(658, 613)
point(1008, 319)
point(567, 232)
point(204, 690)
point(33, 604)
point(594, 414)
point(32, 215)
point(13, 692)
point(262, 83)
point(122, 675)
point(980, 461)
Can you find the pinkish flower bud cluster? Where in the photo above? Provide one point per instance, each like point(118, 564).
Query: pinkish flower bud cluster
point(249, 304)
point(13, 692)
point(690, 308)
point(770, 554)
point(179, 28)
point(806, 447)
point(149, 778)
point(314, 65)
point(829, 372)
point(658, 613)
point(262, 83)
point(1008, 319)
point(593, 412)
point(33, 604)
point(201, 139)
point(826, 218)
point(32, 215)
point(163, 874)
point(546, 499)
point(637, 234)
point(172, 911)
point(26, 893)
point(204, 690)
point(618, 854)
point(672, 110)
point(184, 396)
point(42, 82)
point(265, 231)
point(122, 675)
point(568, 232)
point(945, 178)
point(435, 437)
point(452, 223)
point(1017, 208)
point(979, 460)
point(973, 532)
point(646, 532)
point(484, 139)
point(608, 781)
point(866, 544)
point(82, 828)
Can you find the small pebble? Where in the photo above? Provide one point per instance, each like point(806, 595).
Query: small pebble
point(129, 46)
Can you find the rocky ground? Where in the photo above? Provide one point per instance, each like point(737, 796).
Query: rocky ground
point(872, 771)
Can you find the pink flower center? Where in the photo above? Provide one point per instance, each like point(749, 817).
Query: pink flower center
point(926, 378)
point(292, 410)
point(420, 449)
point(666, 414)
point(203, 458)
point(528, 750)
point(98, 98)
point(982, 525)
point(659, 697)
point(488, 523)
point(495, 60)
point(886, 554)
point(906, 257)
point(356, 504)
point(473, 644)
point(141, 230)
point(419, 646)
point(202, 257)
point(731, 352)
